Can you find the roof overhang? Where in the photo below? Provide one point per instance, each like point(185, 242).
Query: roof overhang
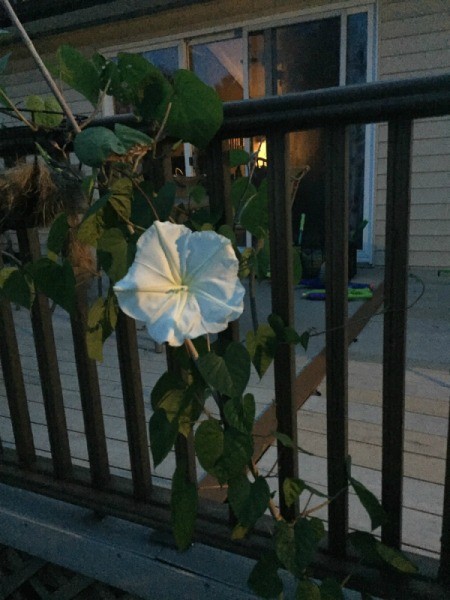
point(48, 17)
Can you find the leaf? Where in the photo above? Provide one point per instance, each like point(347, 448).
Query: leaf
point(297, 268)
point(102, 319)
point(114, 245)
point(227, 232)
point(142, 214)
point(163, 434)
point(304, 340)
point(106, 70)
point(58, 234)
point(240, 412)
point(131, 137)
point(307, 535)
point(95, 144)
point(165, 200)
point(141, 84)
point(16, 286)
point(365, 545)
point(121, 193)
point(167, 384)
point(57, 282)
point(241, 191)
point(209, 443)
point(262, 346)
point(262, 264)
point(237, 452)
point(255, 214)
point(180, 402)
point(183, 502)
point(373, 507)
point(196, 110)
point(46, 110)
point(264, 579)
point(93, 223)
point(330, 589)
point(292, 489)
point(248, 500)
point(285, 545)
point(197, 194)
point(395, 558)
point(239, 157)
point(287, 442)
point(223, 454)
point(4, 62)
point(284, 439)
point(79, 73)
point(307, 590)
point(94, 343)
point(228, 375)
point(239, 532)
point(214, 370)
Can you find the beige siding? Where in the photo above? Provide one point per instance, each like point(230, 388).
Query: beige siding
point(412, 41)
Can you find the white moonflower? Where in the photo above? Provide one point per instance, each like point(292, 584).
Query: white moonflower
point(182, 284)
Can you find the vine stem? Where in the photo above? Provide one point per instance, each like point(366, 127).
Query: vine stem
point(40, 63)
point(191, 349)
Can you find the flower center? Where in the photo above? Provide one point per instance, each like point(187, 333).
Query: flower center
point(178, 289)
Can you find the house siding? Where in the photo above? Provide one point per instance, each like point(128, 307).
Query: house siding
point(412, 41)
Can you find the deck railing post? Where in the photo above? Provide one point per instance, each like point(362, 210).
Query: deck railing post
point(336, 263)
point(398, 197)
point(15, 385)
point(133, 401)
point(48, 365)
point(281, 268)
point(89, 394)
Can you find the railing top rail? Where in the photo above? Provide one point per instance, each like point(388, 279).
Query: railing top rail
point(362, 103)
point(367, 103)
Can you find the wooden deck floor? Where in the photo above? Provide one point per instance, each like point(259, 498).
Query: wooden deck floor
point(427, 408)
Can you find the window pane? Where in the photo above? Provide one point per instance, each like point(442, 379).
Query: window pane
point(356, 73)
point(219, 64)
point(166, 59)
point(307, 56)
point(356, 48)
point(257, 65)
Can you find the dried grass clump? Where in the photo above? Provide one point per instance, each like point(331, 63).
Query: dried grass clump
point(31, 196)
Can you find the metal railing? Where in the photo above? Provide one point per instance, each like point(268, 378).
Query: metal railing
point(398, 103)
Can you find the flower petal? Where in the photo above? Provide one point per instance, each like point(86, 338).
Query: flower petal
point(182, 284)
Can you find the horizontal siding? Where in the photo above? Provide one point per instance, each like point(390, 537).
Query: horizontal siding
point(422, 164)
point(424, 129)
point(432, 243)
point(438, 260)
point(419, 197)
point(422, 181)
point(427, 147)
point(429, 61)
point(410, 27)
point(414, 42)
point(422, 227)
